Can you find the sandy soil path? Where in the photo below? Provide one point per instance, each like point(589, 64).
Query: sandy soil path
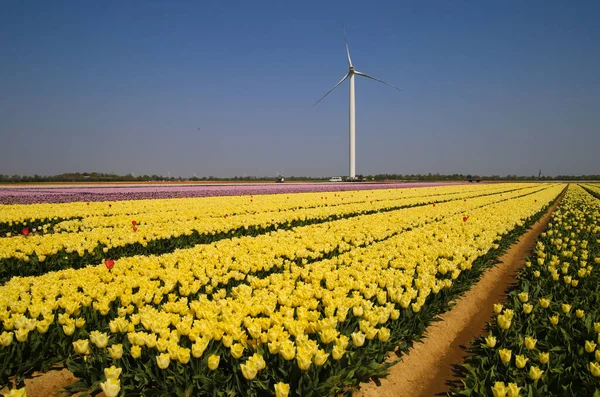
point(426, 369)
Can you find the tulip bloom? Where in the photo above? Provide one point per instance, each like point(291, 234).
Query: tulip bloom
point(520, 361)
point(530, 343)
point(82, 346)
point(163, 360)
point(513, 390)
point(505, 355)
point(109, 263)
point(17, 393)
point(25, 231)
point(543, 358)
point(282, 389)
point(595, 369)
point(213, 362)
point(490, 341)
point(499, 389)
point(249, 370)
point(111, 387)
point(535, 373)
point(590, 346)
point(112, 372)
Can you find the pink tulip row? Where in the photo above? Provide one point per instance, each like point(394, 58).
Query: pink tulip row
point(67, 194)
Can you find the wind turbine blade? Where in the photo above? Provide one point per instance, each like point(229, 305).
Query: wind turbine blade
point(328, 92)
point(347, 50)
point(373, 78)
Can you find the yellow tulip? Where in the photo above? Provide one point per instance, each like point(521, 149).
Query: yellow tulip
point(520, 361)
point(590, 346)
point(490, 341)
point(544, 357)
point(17, 393)
point(116, 351)
point(498, 308)
point(136, 351)
point(249, 370)
point(565, 307)
point(544, 303)
point(213, 362)
point(597, 327)
point(554, 319)
point(513, 390)
point(523, 297)
point(287, 350)
point(337, 352)
point(527, 308)
point(111, 387)
point(237, 350)
point(384, 334)
point(579, 313)
point(321, 357)
point(358, 339)
point(99, 339)
point(535, 373)
point(282, 389)
point(304, 361)
point(183, 355)
point(6, 338)
point(597, 353)
point(504, 321)
point(163, 360)
point(595, 368)
point(505, 355)
point(499, 389)
point(530, 343)
point(112, 372)
point(81, 346)
point(21, 334)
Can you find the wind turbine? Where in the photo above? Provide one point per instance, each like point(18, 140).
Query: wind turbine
point(350, 74)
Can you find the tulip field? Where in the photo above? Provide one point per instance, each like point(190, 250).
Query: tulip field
point(293, 294)
point(546, 340)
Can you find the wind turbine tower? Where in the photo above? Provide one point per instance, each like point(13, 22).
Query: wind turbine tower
point(351, 73)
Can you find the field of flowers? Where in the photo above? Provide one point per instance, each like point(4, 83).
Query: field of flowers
point(544, 341)
point(302, 294)
point(70, 193)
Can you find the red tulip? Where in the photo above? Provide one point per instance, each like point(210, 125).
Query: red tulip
point(133, 223)
point(371, 201)
point(109, 263)
point(110, 205)
point(88, 203)
point(465, 218)
point(225, 216)
point(135, 229)
point(434, 204)
point(465, 200)
point(25, 231)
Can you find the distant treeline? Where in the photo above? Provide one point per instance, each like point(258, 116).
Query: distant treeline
point(101, 177)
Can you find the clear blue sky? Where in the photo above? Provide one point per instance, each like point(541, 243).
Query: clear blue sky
point(225, 88)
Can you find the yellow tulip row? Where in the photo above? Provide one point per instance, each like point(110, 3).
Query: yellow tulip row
point(22, 247)
point(200, 208)
point(375, 282)
point(207, 206)
point(229, 259)
point(552, 302)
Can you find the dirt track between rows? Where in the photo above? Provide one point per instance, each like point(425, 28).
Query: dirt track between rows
point(424, 372)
